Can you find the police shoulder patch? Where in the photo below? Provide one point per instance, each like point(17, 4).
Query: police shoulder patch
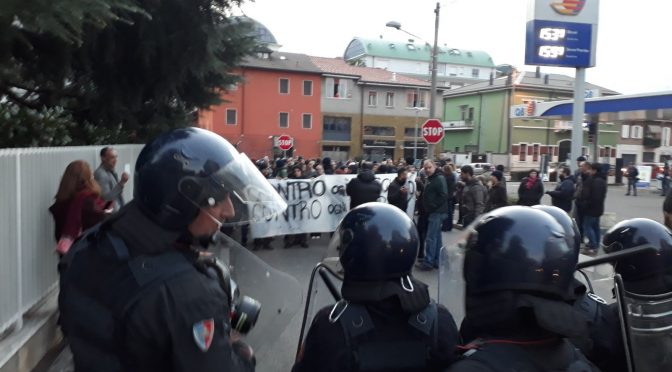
point(204, 331)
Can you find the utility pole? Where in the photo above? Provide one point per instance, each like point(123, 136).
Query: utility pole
point(432, 93)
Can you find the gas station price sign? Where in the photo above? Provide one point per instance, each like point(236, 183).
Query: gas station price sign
point(566, 44)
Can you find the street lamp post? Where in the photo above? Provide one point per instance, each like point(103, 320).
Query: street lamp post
point(415, 134)
point(432, 93)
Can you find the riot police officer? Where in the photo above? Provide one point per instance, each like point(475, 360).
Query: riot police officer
point(603, 345)
point(643, 286)
point(136, 294)
point(519, 276)
point(386, 320)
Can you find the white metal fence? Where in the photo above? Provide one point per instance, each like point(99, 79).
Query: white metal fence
point(29, 180)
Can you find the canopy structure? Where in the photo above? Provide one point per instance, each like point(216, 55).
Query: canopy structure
point(645, 107)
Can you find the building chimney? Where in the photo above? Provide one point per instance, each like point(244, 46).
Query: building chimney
point(537, 74)
point(546, 79)
point(394, 76)
point(492, 79)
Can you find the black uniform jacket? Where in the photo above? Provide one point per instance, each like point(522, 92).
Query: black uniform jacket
point(363, 189)
point(158, 332)
point(325, 346)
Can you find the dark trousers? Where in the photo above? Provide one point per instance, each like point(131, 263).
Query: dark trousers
point(632, 182)
point(423, 223)
point(578, 216)
point(448, 222)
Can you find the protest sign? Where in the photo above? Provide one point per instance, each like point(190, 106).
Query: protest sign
point(317, 205)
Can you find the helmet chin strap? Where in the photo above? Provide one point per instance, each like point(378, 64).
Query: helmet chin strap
point(216, 221)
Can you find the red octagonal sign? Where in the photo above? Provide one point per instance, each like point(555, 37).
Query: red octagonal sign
point(285, 142)
point(432, 131)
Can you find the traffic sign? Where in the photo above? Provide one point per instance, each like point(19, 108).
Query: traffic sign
point(432, 131)
point(285, 142)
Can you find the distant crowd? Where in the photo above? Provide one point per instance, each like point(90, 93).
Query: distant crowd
point(85, 197)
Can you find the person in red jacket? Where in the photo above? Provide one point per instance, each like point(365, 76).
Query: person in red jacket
point(78, 204)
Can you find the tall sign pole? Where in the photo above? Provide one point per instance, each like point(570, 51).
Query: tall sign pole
point(432, 94)
point(563, 33)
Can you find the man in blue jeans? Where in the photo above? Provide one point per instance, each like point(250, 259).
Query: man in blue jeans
point(435, 201)
point(591, 204)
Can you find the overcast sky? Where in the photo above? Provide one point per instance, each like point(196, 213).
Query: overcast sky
point(633, 47)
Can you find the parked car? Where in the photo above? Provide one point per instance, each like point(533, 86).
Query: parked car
point(478, 168)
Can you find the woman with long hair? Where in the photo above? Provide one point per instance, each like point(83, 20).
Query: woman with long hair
point(78, 205)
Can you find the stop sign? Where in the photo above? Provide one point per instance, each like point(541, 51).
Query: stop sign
point(285, 142)
point(432, 131)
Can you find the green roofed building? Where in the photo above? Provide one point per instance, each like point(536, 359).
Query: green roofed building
point(456, 67)
point(492, 121)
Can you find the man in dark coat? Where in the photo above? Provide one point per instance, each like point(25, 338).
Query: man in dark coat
point(435, 201)
point(591, 203)
point(633, 176)
point(497, 196)
point(364, 188)
point(474, 195)
point(564, 191)
point(397, 193)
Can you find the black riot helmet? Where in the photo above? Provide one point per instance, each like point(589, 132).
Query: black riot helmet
point(647, 272)
point(519, 249)
point(572, 233)
point(376, 242)
point(188, 169)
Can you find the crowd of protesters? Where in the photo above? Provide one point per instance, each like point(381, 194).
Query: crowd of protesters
point(83, 200)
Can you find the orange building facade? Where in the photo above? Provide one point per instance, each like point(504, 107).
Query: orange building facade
point(278, 94)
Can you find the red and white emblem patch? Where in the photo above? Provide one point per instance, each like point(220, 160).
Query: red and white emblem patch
point(204, 331)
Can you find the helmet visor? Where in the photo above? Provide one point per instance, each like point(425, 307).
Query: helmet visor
point(252, 196)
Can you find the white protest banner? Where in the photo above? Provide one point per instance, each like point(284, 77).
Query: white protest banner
point(317, 205)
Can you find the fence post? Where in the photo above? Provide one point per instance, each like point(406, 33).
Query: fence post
point(19, 243)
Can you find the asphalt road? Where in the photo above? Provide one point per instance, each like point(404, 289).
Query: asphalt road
point(299, 263)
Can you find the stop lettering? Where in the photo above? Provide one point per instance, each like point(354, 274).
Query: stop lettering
point(432, 131)
point(285, 142)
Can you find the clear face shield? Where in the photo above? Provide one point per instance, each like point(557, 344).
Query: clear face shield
point(278, 294)
point(451, 279)
point(646, 323)
point(251, 196)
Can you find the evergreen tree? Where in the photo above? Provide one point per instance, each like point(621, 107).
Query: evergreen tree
point(95, 71)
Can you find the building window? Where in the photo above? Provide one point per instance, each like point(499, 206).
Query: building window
point(464, 112)
point(231, 117)
point(535, 153)
point(284, 120)
point(523, 151)
point(335, 128)
point(307, 121)
point(389, 99)
point(625, 131)
point(284, 86)
point(307, 87)
point(666, 136)
point(412, 132)
point(373, 98)
point(338, 88)
point(636, 132)
point(470, 115)
point(414, 98)
point(475, 72)
point(370, 130)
